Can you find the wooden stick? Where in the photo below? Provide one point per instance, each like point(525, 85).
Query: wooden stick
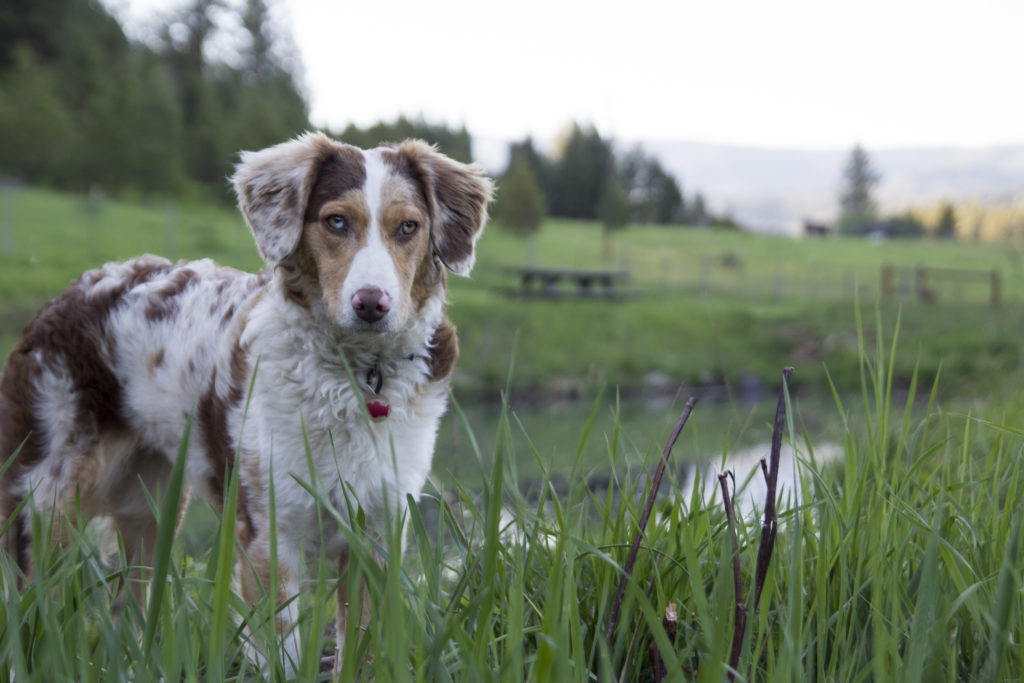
point(770, 525)
point(739, 628)
point(655, 485)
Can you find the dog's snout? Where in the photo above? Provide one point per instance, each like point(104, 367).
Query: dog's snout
point(371, 304)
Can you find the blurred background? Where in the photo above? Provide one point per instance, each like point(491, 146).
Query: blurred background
point(691, 195)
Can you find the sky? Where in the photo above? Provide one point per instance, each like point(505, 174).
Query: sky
point(792, 74)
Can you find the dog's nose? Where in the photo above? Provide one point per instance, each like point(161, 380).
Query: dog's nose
point(371, 304)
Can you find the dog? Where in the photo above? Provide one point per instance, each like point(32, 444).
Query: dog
point(96, 396)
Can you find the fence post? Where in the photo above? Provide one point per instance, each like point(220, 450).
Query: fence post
point(887, 286)
point(996, 293)
point(921, 284)
point(705, 274)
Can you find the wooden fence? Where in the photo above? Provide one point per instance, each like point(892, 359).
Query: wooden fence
point(926, 283)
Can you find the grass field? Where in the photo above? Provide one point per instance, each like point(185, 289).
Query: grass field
point(712, 308)
point(902, 562)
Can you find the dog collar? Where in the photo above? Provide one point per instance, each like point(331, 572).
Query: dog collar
point(378, 406)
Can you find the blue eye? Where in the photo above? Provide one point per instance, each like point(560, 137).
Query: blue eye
point(336, 223)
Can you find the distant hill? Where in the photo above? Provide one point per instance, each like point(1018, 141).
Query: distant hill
point(775, 190)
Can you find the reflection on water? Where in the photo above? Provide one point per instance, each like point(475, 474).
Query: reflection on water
point(751, 489)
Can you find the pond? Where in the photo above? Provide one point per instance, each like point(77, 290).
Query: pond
point(554, 438)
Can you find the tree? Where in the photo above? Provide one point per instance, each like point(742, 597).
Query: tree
point(946, 227)
point(521, 206)
point(613, 211)
point(698, 213)
point(456, 143)
point(580, 173)
point(856, 205)
point(654, 195)
point(81, 105)
point(38, 132)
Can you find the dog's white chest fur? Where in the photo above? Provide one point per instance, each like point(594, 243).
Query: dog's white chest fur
point(325, 439)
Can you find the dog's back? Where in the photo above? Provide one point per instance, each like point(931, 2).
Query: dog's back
point(101, 385)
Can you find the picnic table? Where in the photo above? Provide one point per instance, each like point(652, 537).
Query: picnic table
point(553, 283)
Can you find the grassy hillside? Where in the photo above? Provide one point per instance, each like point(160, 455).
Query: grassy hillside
point(707, 308)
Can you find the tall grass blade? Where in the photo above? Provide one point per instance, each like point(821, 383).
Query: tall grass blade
point(168, 524)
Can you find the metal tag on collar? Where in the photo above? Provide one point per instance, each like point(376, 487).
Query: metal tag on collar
point(376, 405)
point(374, 378)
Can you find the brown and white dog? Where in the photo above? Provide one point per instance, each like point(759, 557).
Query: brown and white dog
point(98, 391)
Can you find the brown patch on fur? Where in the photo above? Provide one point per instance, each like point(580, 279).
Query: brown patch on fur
point(339, 173)
point(212, 420)
point(68, 331)
point(155, 360)
point(429, 277)
point(164, 302)
point(444, 350)
point(298, 277)
point(458, 196)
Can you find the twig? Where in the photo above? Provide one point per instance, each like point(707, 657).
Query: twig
point(655, 485)
point(739, 628)
point(669, 623)
point(770, 525)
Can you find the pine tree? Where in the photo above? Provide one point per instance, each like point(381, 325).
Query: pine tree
point(521, 206)
point(856, 205)
point(946, 227)
point(580, 174)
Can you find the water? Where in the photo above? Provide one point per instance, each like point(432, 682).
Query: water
point(547, 438)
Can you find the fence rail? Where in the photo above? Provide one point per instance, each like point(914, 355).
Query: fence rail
point(931, 284)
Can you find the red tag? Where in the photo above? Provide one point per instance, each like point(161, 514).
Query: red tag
point(378, 409)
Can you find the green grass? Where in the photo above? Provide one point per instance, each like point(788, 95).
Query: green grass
point(714, 308)
point(903, 562)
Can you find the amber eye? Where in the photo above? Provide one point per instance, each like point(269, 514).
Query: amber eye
point(408, 227)
point(336, 223)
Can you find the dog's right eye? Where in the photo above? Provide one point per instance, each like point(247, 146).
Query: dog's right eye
point(336, 223)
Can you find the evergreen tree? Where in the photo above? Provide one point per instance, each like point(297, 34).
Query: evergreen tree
point(654, 195)
point(540, 165)
point(38, 132)
point(520, 206)
point(80, 105)
point(455, 143)
point(580, 174)
point(698, 212)
point(856, 204)
point(946, 227)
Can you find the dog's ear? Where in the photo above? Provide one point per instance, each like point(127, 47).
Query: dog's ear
point(458, 194)
point(273, 187)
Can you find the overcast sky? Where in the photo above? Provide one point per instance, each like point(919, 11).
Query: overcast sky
point(814, 74)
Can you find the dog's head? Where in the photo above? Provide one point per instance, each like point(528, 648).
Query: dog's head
point(366, 234)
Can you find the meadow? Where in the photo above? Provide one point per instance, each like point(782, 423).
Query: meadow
point(900, 562)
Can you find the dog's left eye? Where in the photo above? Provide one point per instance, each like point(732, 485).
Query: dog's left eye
point(336, 222)
point(408, 227)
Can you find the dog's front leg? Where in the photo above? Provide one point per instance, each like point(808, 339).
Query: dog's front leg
point(255, 579)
